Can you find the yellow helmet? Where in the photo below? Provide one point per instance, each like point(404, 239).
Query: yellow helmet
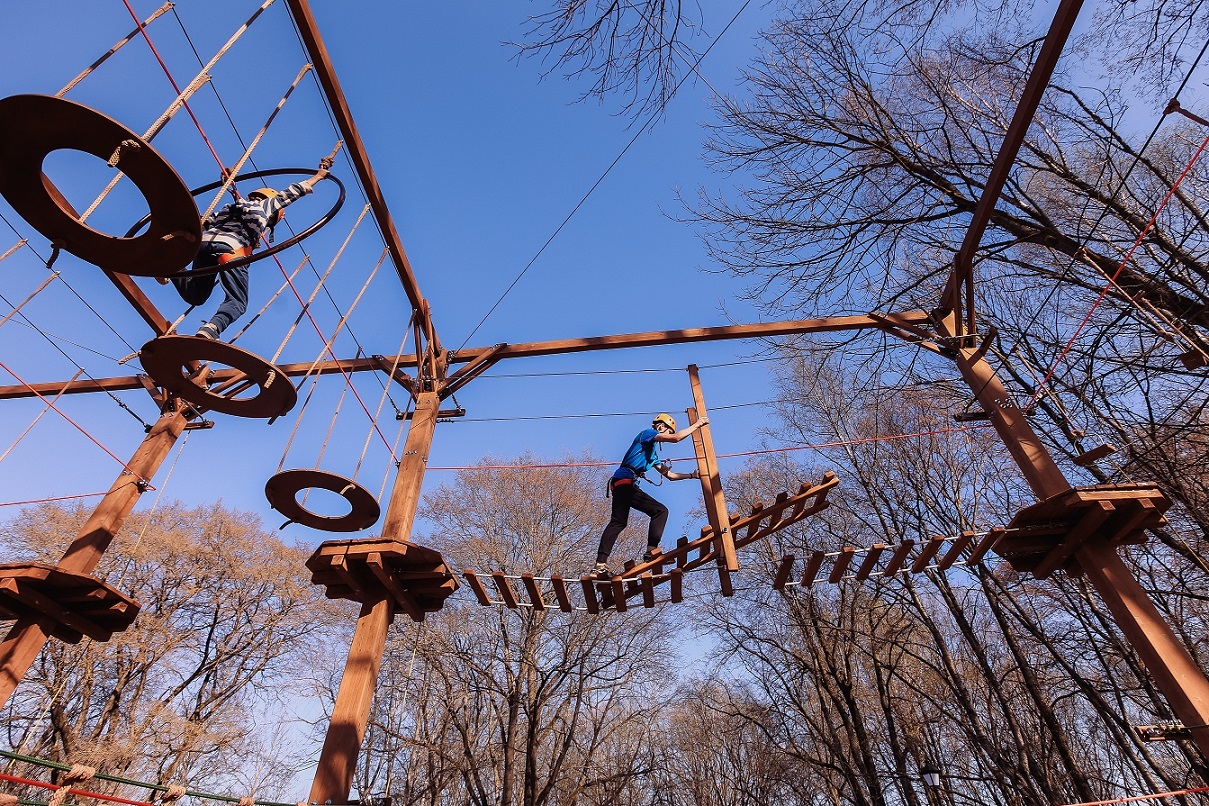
point(263, 193)
point(666, 419)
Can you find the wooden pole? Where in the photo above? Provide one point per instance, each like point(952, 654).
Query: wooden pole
point(27, 637)
point(338, 760)
point(707, 461)
point(1174, 671)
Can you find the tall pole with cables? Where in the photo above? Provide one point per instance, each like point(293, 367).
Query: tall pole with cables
point(29, 635)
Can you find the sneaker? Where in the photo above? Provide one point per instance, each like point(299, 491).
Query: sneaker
point(601, 571)
point(651, 553)
point(162, 280)
point(207, 331)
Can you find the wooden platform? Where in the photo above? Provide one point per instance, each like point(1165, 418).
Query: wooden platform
point(1044, 537)
point(642, 579)
point(80, 605)
point(414, 577)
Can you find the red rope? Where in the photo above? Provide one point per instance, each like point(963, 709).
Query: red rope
point(1113, 279)
point(817, 447)
point(84, 793)
point(1142, 797)
point(79, 428)
point(172, 81)
point(47, 500)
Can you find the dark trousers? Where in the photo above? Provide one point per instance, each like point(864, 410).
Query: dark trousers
point(625, 498)
point(196, 290)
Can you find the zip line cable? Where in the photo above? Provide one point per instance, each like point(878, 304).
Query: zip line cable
point(641, 130)
point(760, 452)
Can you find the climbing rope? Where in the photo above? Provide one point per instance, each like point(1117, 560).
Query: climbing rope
point(105, 56)
point(385, 396)
point(55, 498)
point(41, 414)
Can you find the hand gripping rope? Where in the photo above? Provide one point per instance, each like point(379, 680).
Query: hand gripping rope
point(272, 250)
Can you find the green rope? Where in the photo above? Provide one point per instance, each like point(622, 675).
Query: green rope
point(54, 765)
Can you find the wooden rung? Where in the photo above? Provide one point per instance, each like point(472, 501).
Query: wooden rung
point(476, 585)
point(898, 558)
point(728, 588)
point(755, 519)
point(589, 588)
point(605, 588)
point(560, 593)
point(783, 572)
point(875, 552)
point(681, 551)
point(984, 545)
point(812, 568)
point(505, 589)
point(926, 554)
point(779, 505)
point(841, 564)
point(955, 550)
point(619, 594)
point(1193, 359)
point(648, 591)
point(1095, 454)
point(535, 595)
point(677, 577)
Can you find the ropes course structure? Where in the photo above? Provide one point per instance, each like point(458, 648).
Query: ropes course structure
point(1078, 530)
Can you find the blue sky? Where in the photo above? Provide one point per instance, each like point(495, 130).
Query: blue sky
point(480, 160)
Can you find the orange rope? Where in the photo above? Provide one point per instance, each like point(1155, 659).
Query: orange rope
point(817, 447)
point(1113, 279)
point(172, 81)
point(79, 428)
point(1142, 797)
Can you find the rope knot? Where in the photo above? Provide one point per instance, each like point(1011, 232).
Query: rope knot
point(7, 799)
point(77, 774)
point(129, 145)
point(175, 792)
point(247, 801)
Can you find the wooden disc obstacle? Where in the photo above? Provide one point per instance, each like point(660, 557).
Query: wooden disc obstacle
point(78, 604)
point(283, 488)
point(34, 126)
point(168, 359)
point(366, 571)
point(642, 579)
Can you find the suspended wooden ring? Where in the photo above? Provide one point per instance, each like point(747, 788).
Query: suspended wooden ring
point(275, 248)
point(283, 488)
point(34, 126)
point(167, 360)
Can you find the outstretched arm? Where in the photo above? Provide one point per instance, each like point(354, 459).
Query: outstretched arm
point(683, 433)
point(309, 183)
point(665, 470)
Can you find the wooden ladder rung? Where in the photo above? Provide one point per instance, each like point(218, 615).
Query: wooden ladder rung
point(986, 544)
point(535, 595)
point(841, 564)
point(866, 568)
point(588, 584)
point(783, 572)
point(505, 589)
point(560, 593)
point(954, 553)
point(812, 568)
point(926, 554)
point(476, 585)
point(898, 557)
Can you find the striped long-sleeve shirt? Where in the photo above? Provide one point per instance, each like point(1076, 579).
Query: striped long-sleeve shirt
point(246, 221)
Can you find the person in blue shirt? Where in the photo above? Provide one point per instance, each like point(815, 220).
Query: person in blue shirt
point(641, 457)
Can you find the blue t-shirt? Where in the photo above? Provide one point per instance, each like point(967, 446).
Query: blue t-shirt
point(642, 455)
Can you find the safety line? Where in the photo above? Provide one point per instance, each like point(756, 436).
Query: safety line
point(641, 130)
point(788, 449)
point(71, 789)
point(54, 765)
point(51, 403)
point(1137, 798)
point(41, 414)
point(172, 81)
point(1111, 281)
point(55, 498)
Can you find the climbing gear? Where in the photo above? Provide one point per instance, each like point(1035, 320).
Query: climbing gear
point(666, 419)
point(263, 193)
point(613, 483)
point(227, 257)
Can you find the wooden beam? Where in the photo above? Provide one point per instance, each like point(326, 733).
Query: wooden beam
point(898, 558)
point(525, 350)
point(1089, 523)
point(535, 595)
point(812, 568)
point(588, 584)
point(560, 593)
point(505, 588)
point(955, 550)
point(476, 585)
point(926, 554)
point(783, 571)
point(715, 500)
point(986, 544)
point(841, 564)
point(870, 560)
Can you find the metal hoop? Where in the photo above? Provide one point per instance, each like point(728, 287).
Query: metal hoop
point(167, 359)
point(275, 248)
point(283, 488)
point(36, 125)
